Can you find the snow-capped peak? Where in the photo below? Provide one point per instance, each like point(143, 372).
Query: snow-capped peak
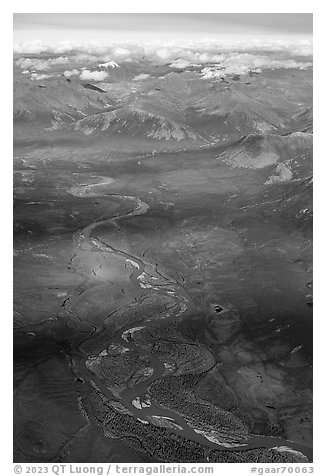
point(109, 64)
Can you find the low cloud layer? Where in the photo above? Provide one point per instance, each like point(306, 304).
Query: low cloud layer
point(93, 75)
point(186, 50)
point(39, 77)
point(215, 58)
point(41, 64)
point(141, 76)
point(73, 72)
point(181, 64)
point(244, 63)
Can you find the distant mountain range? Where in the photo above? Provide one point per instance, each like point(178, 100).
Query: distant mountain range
point(175, 106)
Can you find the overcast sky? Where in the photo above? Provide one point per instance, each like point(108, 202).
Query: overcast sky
point(146, 26)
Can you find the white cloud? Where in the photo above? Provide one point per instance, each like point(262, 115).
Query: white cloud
point(73, 72)
point(121, 52)
point(84, 58)
point(243, 63)
point(141, 76)
point(234, 56)
point(41, 64)
point(167, 50)
point(93, 75)
point(38, 77)
point(180, 63)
